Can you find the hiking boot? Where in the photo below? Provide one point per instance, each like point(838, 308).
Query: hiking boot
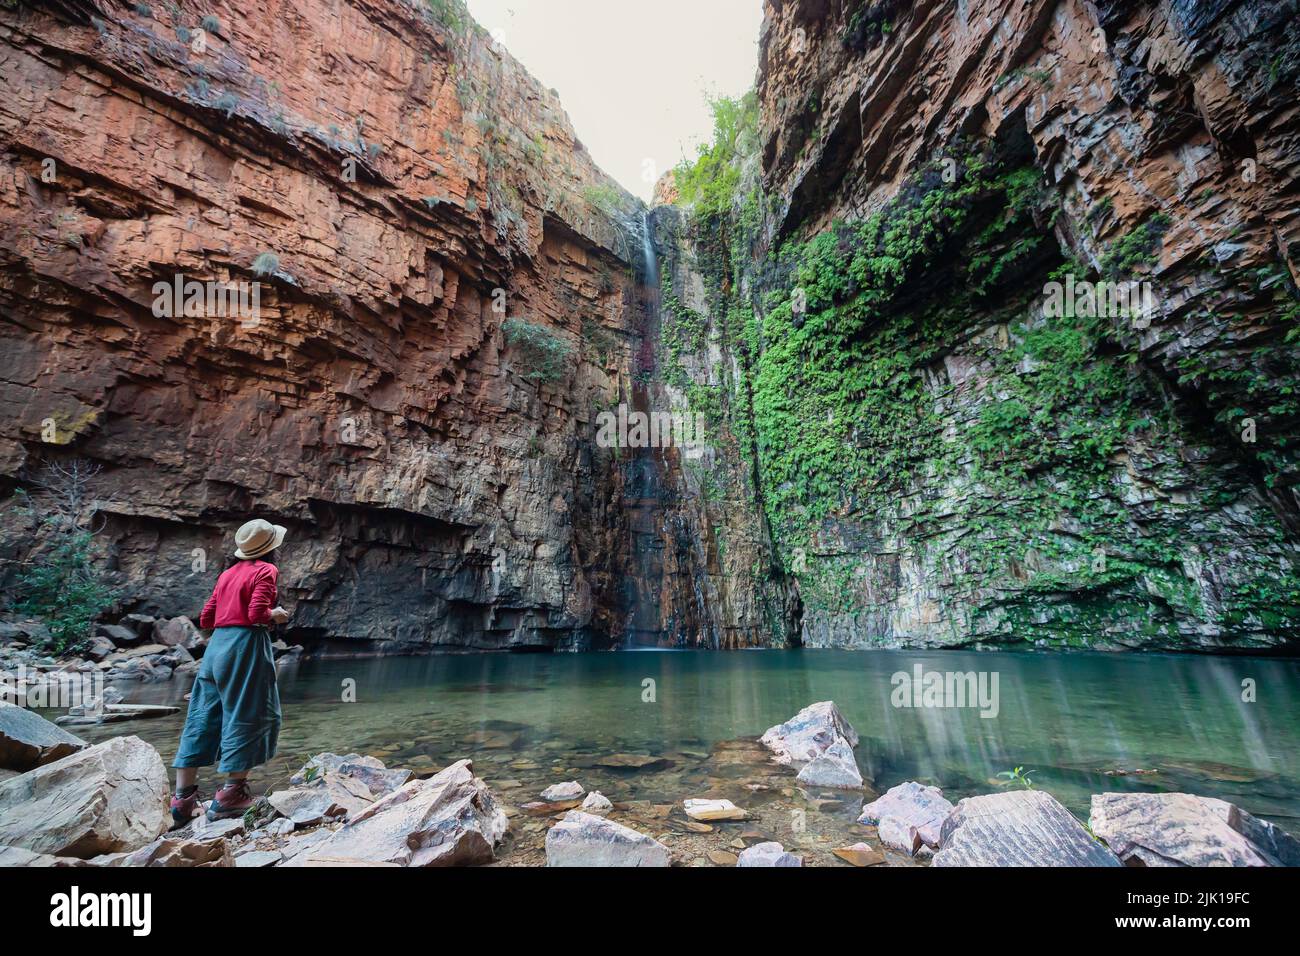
point(185, 809)
point(232, 800)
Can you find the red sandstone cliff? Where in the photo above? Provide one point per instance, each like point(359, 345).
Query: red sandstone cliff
point(400, 170)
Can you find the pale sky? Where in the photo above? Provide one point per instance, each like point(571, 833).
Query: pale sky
point(633, 74)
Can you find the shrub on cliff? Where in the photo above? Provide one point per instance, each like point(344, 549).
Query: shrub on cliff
point(545, 351)
point(60, 584)
point(65, 592)
point(710, 182)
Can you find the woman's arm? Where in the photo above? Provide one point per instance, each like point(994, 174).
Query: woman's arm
point(264, 596)
point(208, 616)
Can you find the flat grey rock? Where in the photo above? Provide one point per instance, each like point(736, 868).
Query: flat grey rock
point(582, 839)
point(28, 740)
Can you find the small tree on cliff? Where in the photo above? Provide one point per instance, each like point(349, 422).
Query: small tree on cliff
point(60, 584)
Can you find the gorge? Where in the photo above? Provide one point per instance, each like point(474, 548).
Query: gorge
point(965, 354)
point(903, 448)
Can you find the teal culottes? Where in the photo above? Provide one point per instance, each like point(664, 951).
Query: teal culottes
point(234, 714)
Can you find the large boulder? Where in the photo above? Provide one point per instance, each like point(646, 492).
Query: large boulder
point(1018, 828)
point(28, 740)
point(819, 742)
point(451, 819)
point(582, 839)
point(808, 734)
point(109, 798)
point(835, 767)
point(1181, 829)
point(911, 809)
point(178, 632)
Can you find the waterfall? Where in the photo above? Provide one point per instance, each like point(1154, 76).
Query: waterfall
point(648, 251)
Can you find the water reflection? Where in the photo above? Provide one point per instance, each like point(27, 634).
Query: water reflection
point(1076, 719)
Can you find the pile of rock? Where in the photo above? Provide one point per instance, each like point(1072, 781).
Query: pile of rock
point(1032, 828)
point(139, 648)
point(65, 803)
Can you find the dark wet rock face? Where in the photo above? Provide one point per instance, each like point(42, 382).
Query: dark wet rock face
point(936, 455)
point(444, 311)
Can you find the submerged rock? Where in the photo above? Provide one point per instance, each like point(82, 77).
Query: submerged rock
point(713, 810)
point(109, 798)
point(623, 761)
point(450, 819)
point(768, 854)
point(582, 839)
point(1181, 829)
point(921, 808)
point(569, 790)
point(28, 740)
point(1020, 828)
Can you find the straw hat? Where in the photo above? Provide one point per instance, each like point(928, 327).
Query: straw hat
point(258, 537)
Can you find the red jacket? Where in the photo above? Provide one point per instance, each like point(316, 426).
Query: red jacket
point(243, 597)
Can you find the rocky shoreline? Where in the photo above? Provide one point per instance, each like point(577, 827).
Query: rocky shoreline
point(138, 649)
point(66, 803)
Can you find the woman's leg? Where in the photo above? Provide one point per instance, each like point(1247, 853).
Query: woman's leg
point(250, 717)
point(201, 735)
point(200, 739)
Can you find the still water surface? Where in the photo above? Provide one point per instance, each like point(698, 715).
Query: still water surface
point(529, 720)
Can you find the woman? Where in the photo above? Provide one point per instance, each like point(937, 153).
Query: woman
point(234, 714)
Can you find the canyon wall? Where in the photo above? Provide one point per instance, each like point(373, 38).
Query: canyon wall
point(947, 442)
point(448, 292)
point(918, 431)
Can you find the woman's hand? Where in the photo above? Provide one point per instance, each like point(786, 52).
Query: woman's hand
point(279, 615)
